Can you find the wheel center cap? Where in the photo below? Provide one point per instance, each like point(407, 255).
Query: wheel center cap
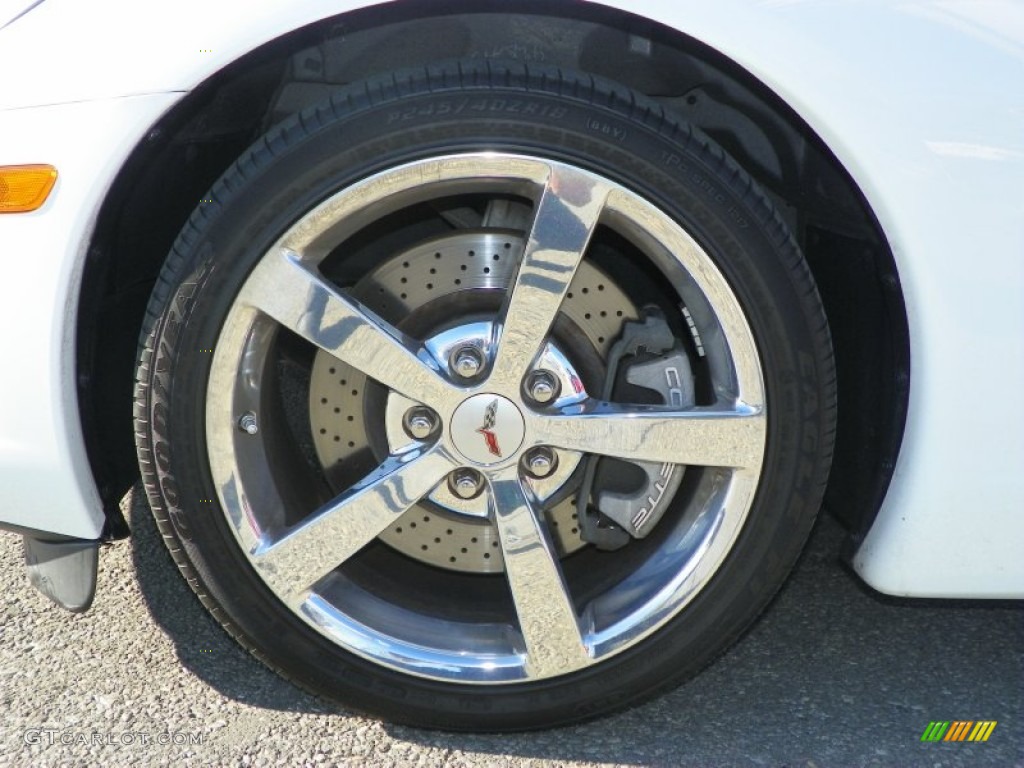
point(487, 429)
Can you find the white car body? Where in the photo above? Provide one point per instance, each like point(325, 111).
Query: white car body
point(921, 102)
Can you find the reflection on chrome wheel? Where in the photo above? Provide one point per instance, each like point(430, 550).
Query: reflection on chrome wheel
point(493, 410)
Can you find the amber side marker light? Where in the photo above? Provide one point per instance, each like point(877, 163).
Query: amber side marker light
point(25, 188)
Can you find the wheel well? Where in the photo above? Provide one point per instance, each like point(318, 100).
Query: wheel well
point(181, 156)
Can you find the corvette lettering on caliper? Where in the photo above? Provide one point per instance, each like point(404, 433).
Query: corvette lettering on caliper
point(608, 513)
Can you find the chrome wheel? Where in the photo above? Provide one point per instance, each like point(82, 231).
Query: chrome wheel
point(496, 339)
point(485, 397)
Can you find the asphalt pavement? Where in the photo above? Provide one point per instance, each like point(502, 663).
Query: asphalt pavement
point(832, 675)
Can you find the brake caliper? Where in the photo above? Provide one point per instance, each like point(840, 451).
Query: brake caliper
point(630, 497)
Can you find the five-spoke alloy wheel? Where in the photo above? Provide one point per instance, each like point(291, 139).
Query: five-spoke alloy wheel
point(485, 398)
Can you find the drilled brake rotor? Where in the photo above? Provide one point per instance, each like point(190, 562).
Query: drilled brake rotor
point(474, 263)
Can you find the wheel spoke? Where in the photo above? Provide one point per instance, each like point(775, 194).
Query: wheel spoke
point(286, 290)
point(711, 437)
point(547, 619)
point(339, 529)
point(563, 223)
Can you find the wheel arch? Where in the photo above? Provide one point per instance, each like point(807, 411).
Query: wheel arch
point(180, 157)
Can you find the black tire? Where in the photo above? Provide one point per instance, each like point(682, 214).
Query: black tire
point(594, 125)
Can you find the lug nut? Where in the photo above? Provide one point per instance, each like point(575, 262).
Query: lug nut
point(248, 423)
point(542, 386)
point(467, 361)
point(539, 462)
point(465, 483)
point(420, 422)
